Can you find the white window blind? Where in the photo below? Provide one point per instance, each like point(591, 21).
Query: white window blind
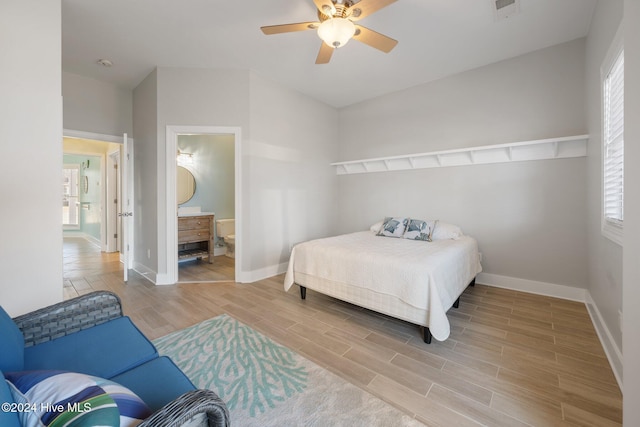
point(613, 140)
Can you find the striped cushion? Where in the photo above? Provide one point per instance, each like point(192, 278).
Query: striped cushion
point(57, 398)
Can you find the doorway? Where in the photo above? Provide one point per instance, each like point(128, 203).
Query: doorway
point(91, 229)
point(173, 134)
point(206, 190)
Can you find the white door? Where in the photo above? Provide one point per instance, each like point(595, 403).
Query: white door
point(127, 208)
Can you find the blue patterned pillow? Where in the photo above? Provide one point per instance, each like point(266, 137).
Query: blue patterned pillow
point(60, 398)
point(393, 226)
point(420, 230)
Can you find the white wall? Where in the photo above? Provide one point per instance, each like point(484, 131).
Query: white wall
point(528, 217)
point(292, 187)
point(31, 137)
point(287, 144)
point(145, 204)
point(94, 106)
point(631, 261)
point(195, 97)
point(605, 256)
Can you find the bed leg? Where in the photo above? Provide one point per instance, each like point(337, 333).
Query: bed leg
point(456, 304)
point(303, 292)
point(426, 335)
point(473, 282)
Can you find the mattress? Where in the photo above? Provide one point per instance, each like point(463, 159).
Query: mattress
point(413, 280)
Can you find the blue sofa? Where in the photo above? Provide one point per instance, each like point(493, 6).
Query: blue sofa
point(88, 337)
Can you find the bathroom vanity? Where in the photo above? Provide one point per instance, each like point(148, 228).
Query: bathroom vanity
point(195, 236)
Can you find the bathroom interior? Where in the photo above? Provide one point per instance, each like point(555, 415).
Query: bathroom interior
point(206, 208)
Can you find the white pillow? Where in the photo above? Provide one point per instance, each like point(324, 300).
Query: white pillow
point(444, 231)
point(375, 228)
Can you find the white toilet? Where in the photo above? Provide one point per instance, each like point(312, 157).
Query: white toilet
point(226, 230)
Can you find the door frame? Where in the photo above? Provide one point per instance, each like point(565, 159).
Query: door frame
point(71, 133)
point(172, 133)
point(113, 192)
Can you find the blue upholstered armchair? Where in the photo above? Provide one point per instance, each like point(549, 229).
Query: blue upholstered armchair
point(86, 348)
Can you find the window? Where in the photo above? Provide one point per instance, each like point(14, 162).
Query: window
point(613, 149)
point(70, 198)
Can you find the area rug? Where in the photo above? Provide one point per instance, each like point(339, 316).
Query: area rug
point(267, 384)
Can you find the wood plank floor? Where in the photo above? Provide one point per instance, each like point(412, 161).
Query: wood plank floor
point(223, 268)
point(513, 359)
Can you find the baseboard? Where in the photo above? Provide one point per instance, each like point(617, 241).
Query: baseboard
point(262, 273)
point(217, 251)
point(146, 272)
point(83, 235)
point(611, 349)
point(532, 286)
point(614, 355)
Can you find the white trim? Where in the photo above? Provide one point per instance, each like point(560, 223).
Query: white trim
point(145, 272)
point(609, 345)
point(171, 208)
point(112, 192)
point(70, 133)
point(542, 149)
point(262, 273)
point(532, 286)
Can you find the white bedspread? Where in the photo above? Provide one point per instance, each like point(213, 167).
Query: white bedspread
point(427, 275)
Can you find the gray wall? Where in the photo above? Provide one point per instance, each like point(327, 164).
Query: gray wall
point(605, 256)
point(292, 186)
point(194, 97)
point(631, 261)
point(528, 217)
point(145, 202)
point(94, 106)
point(31, 123)
point(287, 186)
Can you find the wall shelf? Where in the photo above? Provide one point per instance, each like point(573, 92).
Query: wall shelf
point(542, 149)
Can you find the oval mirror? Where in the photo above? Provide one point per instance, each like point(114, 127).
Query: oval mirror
point(186, 185)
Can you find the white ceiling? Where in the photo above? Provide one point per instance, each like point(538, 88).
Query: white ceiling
point(436, 38)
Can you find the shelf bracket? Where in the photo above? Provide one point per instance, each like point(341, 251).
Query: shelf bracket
point(472, 156)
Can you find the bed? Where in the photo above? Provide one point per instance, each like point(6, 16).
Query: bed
point(412, 280)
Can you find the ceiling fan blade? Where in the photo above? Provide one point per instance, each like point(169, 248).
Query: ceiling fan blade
point(374, 39)
point(289, 28)
point(324, 56)
point(326, 7)
point(366, 7)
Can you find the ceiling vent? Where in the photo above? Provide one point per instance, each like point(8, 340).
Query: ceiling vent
point(504, 9)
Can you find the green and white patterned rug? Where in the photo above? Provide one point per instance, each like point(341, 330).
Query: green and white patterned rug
point(267, 384)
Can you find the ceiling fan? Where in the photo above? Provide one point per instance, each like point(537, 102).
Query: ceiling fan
point(336, 26)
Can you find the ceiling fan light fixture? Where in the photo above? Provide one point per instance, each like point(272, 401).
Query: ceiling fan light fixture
point(336, 32)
